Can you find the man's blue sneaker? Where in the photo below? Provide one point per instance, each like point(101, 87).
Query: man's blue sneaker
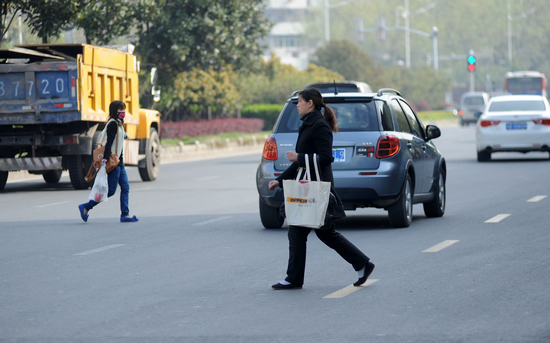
point(82, 215)
point(127, 219)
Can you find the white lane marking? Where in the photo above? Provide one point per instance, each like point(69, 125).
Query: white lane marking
point(498, 218)
point(93, 251)
point(212, 220)
point(348, 290)
point(208, 178)
point(441, 246)
point(536, 198)
point(52, 204)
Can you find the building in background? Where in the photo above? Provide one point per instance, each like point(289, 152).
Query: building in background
point(287, 39)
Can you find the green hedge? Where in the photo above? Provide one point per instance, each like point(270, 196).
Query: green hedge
point(268, 112)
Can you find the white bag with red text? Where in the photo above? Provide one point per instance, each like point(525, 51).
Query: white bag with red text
point(306, 201)
point(101, 186)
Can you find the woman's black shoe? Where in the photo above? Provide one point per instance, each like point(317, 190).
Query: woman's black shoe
point(369, 267)
point(291, 286)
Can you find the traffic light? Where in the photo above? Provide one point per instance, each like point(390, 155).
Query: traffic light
point(471, 63)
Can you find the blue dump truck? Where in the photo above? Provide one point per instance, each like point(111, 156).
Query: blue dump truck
point(54, 102)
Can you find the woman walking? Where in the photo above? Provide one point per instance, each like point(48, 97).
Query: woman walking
point(315, 137)
point(118, 175)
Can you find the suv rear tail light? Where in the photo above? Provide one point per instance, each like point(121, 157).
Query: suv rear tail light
point(387, 146)
point(542, 122)
point(486, 123)
point(270, 149)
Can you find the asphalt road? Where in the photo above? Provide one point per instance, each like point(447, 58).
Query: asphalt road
point(198, 266)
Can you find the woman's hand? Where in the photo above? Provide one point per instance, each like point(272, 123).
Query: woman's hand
point(273, 184)
point(292, 156)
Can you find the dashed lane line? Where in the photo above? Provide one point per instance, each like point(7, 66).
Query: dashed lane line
point(93, 251)
point(441, 246)
point(536, 198)
point(212, 220)
point(348, 290)
point(498, 218)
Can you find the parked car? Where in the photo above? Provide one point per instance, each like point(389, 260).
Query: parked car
point(341, 87)
point(518, 123)
point(383, 157)
point(471, 106)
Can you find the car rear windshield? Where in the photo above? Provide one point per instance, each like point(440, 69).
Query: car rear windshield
point(340, 89)
point(515, 105)
point(351, 115)
point(474, 100)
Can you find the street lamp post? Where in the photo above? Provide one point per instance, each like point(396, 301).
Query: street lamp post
point(509, 17)
point(327, 15)
point(406, 14)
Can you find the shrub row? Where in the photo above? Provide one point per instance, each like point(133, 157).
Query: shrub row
point(181, 129)
point(268, 112)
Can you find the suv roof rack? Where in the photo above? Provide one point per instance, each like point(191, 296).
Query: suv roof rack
point(387, 90)
point(294, 93)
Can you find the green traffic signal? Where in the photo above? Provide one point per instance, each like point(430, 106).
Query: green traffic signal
point(471, 60)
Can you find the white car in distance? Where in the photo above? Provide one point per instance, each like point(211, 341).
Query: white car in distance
point(513, 123)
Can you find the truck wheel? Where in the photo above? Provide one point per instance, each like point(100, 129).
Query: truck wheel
point(270, 216)
point(52, 176)
point(436, 207)
point(400, 213)
point(3, 179)
point(78, 168)
point(152, 158)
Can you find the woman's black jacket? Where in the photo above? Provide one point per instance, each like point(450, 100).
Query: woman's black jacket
point(315, 136)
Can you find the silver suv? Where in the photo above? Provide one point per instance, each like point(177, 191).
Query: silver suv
point(383, 157)
point(472, 105)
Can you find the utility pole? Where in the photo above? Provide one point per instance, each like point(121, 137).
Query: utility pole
point(407, 36)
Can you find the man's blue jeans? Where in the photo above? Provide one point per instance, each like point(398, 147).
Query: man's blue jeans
point(116, 176)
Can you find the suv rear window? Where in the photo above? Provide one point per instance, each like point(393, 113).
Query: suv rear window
point(340, 89)
point(351, 115)
point(474, 100)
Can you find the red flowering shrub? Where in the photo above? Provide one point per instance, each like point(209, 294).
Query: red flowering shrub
point(423, 106)
point(210, 127)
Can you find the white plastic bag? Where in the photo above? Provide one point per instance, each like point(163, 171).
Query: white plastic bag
point(306, 201)
point(101, 186)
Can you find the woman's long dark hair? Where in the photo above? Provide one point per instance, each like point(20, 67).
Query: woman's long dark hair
point(113, 110)
point(314, 95)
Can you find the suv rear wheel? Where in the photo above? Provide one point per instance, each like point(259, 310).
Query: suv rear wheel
point(400, 213)
point(270, 216)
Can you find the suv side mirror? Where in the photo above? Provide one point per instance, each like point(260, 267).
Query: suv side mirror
point(432, 132)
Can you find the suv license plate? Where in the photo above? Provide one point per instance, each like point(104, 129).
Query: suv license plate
point(339, 155)
point(516, 126)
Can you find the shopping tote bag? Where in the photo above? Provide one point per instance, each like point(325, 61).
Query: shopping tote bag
point(101, 185)
point(306, 201)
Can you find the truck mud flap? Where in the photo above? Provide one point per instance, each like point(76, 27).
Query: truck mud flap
point(30, 163)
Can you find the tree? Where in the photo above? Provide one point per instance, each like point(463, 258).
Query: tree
point(348, 60)
point(8, 9)
point(104, 20)
point(49, 18)
point(275, 81)
point(199, 92)
point(181, 35)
